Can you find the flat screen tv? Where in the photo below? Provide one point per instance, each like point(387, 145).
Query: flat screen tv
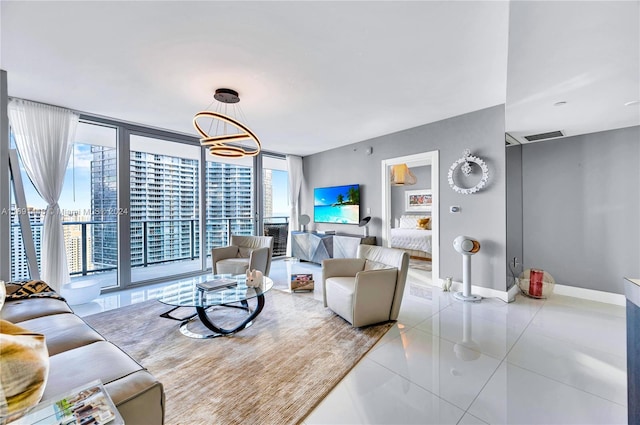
point(337, 204)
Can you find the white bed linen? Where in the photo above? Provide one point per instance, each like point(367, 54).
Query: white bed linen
point(411, 239)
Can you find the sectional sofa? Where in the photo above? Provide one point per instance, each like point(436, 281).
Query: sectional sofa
point(79, 355)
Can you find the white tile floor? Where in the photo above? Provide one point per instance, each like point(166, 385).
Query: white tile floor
point(559, 361)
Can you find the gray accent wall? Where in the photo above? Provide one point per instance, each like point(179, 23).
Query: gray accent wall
point(581, 208)
point(482, 216)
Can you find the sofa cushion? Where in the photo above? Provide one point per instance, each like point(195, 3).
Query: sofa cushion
point(74, 368)
point(63, 332)
point(232, 266)
point(19, 311)
point(139, 398)
point(24, 366)
point(340, 292)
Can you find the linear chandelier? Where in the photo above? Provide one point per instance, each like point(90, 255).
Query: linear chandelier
point(226, 135)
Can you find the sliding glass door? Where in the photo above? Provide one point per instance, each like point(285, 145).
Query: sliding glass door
point(164, 208)
point(275, 202)
point(143, 205)
point(228, 200)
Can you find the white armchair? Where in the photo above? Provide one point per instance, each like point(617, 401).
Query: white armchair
point(368, 289)
point(244, 253)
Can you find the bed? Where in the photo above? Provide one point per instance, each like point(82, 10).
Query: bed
point(409, 236)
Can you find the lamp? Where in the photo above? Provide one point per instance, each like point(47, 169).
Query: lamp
point(231, 129)
point(401, 175)
point(364, 223)
point(304, 220)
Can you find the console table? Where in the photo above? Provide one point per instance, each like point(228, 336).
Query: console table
point(315, 247)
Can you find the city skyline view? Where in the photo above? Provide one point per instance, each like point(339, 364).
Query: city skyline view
point(75, 197)
point(164, 205)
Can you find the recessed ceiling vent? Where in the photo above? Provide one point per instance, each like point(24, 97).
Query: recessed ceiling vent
point(544, 136)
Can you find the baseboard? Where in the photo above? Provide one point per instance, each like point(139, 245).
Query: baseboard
point(570, 291)
point(506, 296)
point(590, 294)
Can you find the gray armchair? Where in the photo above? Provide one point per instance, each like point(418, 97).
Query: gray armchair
point(245, 252)
point(368, 289)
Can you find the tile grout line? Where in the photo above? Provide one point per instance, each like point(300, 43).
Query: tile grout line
point(502, 361)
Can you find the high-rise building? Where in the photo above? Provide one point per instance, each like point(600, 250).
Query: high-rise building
point(267, 180)
point(164, 206)
point(76, 243)
point(104, 203)
point(229, 202)
point(19, 264)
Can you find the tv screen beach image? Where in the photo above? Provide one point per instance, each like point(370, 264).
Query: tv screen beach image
point(337, 204)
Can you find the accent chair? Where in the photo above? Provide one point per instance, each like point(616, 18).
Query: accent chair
point(368, 289)
point(244, 253)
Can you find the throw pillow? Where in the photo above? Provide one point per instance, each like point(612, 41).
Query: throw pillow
point(33, 289)
point(24, 368)
point(408, 221)
point(424, 223)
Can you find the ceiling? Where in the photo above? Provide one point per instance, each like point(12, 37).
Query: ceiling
point(313, 76)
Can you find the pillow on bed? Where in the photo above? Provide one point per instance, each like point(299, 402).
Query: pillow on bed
point(424, 223)
point(410, 221)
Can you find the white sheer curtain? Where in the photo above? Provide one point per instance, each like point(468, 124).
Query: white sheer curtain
point(44, 137)
point(294, 169)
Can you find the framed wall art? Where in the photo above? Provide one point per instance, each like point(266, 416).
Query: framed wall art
point(418, 200)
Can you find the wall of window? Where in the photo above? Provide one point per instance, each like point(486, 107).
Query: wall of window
point(164, 207)
point(135, 200)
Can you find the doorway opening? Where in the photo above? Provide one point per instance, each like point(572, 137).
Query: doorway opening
point(402, 205)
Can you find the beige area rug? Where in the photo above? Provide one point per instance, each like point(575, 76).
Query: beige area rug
point(274, 372)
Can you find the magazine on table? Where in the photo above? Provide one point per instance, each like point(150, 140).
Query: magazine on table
point(215, 284)
point(302, 277)
point(88, 405)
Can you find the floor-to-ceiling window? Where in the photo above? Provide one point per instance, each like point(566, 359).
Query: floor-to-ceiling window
point(228, 199)
point(87, 204)
point(144, 205)
point(275, 204)
point(164, 207)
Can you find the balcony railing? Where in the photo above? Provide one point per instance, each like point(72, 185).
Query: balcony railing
point(92, 245)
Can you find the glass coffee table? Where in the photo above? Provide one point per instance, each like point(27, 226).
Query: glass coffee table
point(236, 294)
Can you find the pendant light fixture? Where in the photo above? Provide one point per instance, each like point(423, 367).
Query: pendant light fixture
point(401, 175)
point(226, 136)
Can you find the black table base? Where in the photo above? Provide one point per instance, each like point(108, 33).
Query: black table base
point(201, 313)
